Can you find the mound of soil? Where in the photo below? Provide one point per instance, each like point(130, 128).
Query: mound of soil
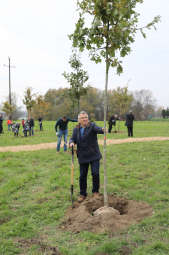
point(87, 216)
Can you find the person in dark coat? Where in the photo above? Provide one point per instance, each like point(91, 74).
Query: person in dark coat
point(112, 122)
point(15, 128)
point(88, 153)
point(1, 124)
point(40, 123)
point(31, 126)
point(129, 123)
point(62, 123)
point(26, 128)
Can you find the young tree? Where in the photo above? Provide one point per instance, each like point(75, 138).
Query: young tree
point(114, 24)
point(77, 80)
point(8, 109)
point(120, 99)
point(12, 110)
point(59, 103)
point(40, 107)
point(28, 100)
point(92, 102)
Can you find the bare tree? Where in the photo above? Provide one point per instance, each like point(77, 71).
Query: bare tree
point(143, 104)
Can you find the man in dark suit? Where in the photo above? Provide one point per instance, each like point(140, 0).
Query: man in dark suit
point(88, 153)
point(40, 123)
point(129, 123)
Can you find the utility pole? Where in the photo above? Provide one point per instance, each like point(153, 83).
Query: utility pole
point(10, 101)
point(9, 67)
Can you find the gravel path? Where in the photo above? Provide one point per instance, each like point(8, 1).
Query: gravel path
point(44, 146)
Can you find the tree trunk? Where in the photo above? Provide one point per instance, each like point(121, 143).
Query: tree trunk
point(29, 113)
point(105, 119)
point(78, 105)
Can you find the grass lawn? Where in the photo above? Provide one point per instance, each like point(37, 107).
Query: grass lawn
point(35, 193)
point(141, 129)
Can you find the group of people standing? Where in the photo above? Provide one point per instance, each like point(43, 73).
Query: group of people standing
point(28, 126)
point(128, 123)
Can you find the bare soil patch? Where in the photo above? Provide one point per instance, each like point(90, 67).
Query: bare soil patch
point(43, 248)
point(125, 213)
point(44, 146)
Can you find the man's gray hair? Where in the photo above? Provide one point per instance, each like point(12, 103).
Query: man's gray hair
point(82, 112)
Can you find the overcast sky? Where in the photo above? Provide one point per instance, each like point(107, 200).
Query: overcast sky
point(34, 35)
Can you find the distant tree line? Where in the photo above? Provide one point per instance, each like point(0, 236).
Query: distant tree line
point(58, 102)
point(165, 113)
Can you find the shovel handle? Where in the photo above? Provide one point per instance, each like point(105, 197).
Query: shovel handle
point(72, 169)
point(72, 150)
point(72, 176)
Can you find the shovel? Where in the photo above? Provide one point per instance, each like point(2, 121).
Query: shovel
point(72, 177)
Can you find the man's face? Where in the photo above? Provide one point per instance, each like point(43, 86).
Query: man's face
point(83, 120)
point(64, 119)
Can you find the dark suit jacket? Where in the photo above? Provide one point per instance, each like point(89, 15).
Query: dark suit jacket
point(129, 120)
point(87, 145)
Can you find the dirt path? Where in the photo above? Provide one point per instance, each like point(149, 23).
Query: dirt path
point(44, 146)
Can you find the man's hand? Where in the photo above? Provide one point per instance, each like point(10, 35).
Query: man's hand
point(106, 130)
point(56, 133)
point(71, 144)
